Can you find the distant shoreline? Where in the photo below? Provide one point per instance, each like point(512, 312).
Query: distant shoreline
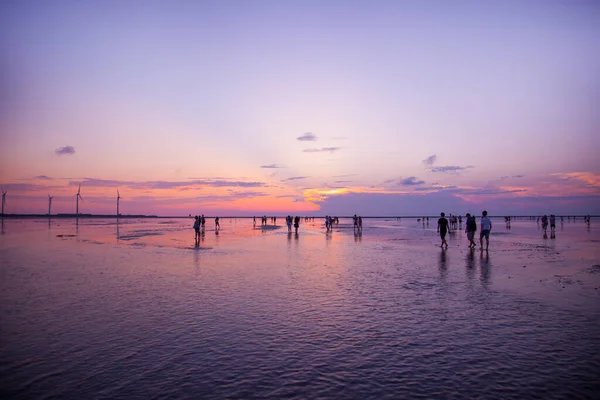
point(130, 216)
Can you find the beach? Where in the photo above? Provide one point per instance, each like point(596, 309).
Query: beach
point(96, 309)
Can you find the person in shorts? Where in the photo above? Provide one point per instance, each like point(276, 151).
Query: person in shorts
point(443, 229)
point(486, 227)
point(196, 227)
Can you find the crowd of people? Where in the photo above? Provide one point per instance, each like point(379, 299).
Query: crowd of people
point(470, 229)
point(445, 225)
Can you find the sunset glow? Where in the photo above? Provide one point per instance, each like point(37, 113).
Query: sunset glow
point(234, 108)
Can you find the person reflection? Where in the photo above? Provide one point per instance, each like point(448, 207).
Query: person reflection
point(485, 268)
point(358, 235)
point(196, 254)
point(442, 264)
point(470, 260)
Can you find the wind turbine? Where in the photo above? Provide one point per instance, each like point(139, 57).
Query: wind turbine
point(77, 197)
point(118, 198)
point(49, 204)
point(3, 200)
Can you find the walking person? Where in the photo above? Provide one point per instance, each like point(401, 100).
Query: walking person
point(217, 226)
point(486, 227)
point(470, 229)
point(196, 228)
point(443, 229)
point(296, 223)
point(545, 224)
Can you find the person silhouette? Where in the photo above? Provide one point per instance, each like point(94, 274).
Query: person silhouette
point(545, 224)
point(486, 227)
point(470, 229)
point(196, 227)
point(443, 229)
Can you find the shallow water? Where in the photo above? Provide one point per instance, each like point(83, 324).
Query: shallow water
point(92, 311)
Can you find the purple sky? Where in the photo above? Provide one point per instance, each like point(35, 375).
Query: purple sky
point(376, 107)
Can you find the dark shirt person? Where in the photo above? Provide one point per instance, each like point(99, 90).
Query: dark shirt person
point(470, 229)
point(443, 229)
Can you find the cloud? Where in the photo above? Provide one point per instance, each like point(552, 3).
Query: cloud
point(308, 136)
point(272, 166)
point(430, 160)
point(485, 191)
point(198, 199)
point(322, 150)
point(434, 188)
point(164, 184)
point(67, 150)
point(411, 180)
point(514, 176)
point(343, 176)
point(590, 179)
point(294, 178)
point(343, 181)
point(43, 177)
point(449, 168)
point(24, 187)
point(418, 204)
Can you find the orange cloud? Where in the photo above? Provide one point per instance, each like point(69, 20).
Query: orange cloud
point(589, 178)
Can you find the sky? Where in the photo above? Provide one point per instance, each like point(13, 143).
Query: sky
point(379, 108)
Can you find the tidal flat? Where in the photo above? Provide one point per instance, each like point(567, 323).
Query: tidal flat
point(101, 310)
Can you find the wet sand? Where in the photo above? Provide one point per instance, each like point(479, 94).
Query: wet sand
point(92, 311)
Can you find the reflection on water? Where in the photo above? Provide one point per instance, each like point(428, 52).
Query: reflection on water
point(485, 267)
point(395, 317)
point(442, 264)
point(470, 266)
